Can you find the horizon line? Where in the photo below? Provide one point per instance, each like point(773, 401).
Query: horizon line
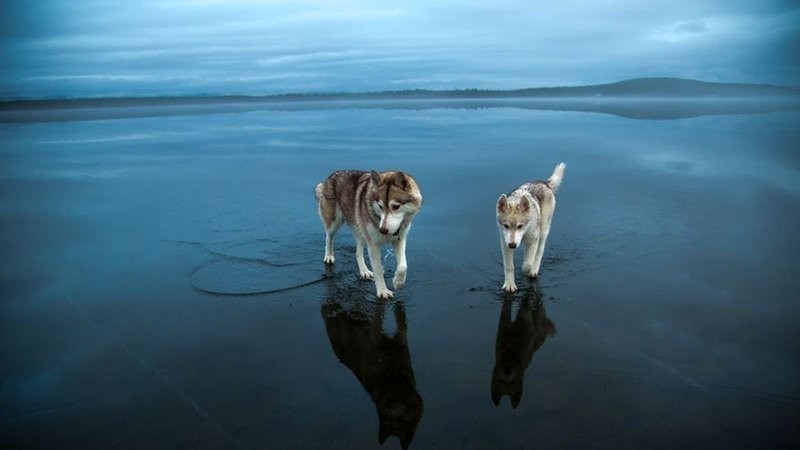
point(393, 92)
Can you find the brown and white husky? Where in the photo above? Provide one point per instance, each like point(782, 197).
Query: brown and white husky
point(378, 208)
point(524, 216)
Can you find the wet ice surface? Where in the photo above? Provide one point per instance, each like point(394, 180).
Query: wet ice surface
point(163, 284)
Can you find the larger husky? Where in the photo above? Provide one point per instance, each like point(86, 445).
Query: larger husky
point(524, 216)
point(379, 208)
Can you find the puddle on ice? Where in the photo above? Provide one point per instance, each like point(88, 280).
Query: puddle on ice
point(247, 277)
point(259, 267)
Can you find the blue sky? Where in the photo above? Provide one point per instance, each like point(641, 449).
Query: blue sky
point(91, 48)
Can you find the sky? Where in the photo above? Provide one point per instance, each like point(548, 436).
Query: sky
point(108, 48)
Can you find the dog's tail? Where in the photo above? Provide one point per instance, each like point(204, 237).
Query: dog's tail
point(558, 175)
point(318, 191)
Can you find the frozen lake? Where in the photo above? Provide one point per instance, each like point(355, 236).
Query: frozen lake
point(163, 286)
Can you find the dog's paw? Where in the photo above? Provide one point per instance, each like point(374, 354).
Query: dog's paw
point(530, 273)
point(329, 259)
point(366, 275)
point(385, 293)
point(399, 280)
point(510, 286)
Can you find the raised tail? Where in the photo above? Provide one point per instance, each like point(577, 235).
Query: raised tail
point(318, 191)
point(558, 175)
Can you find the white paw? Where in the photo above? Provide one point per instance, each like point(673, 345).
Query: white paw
point(510, 286)
point(399, 280)
point(329, 259)
point(365, 275)
point(530, 272)
point(384, 293)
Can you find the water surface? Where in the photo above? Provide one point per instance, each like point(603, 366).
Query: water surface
point(163, 287)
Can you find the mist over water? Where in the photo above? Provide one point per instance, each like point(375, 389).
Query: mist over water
point(163, 283)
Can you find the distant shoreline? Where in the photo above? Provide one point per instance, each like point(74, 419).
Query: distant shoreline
point(628, 107)
point(650, 89)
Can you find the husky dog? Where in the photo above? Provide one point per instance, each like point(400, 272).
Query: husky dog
point(524, 216)
point(379, 208)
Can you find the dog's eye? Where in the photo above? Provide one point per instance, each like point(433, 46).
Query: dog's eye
point(395, 207)
point(505, 225)
point(519, 227)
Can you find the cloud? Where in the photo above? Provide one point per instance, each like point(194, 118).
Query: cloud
point(92, 47)
point(693, 27)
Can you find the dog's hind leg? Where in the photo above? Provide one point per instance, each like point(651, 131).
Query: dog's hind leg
point(548, 208)
point(400, 255)
point(332, 219)
point(532, 246)
point(363, 272)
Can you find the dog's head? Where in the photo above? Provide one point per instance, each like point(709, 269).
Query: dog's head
point(395, 198)
point(513, 218)
point(507, 379)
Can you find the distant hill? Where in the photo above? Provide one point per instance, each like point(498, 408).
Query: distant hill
point(662, 87)
point(638, 87)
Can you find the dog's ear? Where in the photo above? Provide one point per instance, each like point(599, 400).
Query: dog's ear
point(516, 396)
point(376, 179)
point(524, 204)
point(496, 395)
point(401, 180)
point(502, 203)
point(383, 433)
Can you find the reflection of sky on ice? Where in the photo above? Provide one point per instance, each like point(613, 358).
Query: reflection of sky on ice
point(670, 238)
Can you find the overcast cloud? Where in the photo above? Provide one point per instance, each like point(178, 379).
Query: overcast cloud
point(81, 48)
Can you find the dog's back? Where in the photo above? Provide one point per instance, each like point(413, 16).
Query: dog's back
point(544, 191)
point(339, 193)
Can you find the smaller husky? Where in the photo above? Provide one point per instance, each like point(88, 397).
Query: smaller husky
point(524, 216)
point(378, 208)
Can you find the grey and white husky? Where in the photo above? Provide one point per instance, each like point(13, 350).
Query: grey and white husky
point(524, 216)
point(378, 208)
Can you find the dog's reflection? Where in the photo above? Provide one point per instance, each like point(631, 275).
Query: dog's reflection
point(380, 361)
point(517, 341)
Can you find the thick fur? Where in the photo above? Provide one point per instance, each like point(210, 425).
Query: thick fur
point(516, 343)
point(524, 216)
point(378, 208)
point(380, 362)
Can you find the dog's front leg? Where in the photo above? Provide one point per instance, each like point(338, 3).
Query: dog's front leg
point(509, 284)
point(400, 255)
point(377, 268)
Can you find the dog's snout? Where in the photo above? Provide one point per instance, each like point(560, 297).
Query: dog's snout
point(512, 245)
point(384, 230)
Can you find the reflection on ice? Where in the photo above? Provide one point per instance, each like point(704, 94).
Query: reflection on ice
point(517, 341)
point(380, 361)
